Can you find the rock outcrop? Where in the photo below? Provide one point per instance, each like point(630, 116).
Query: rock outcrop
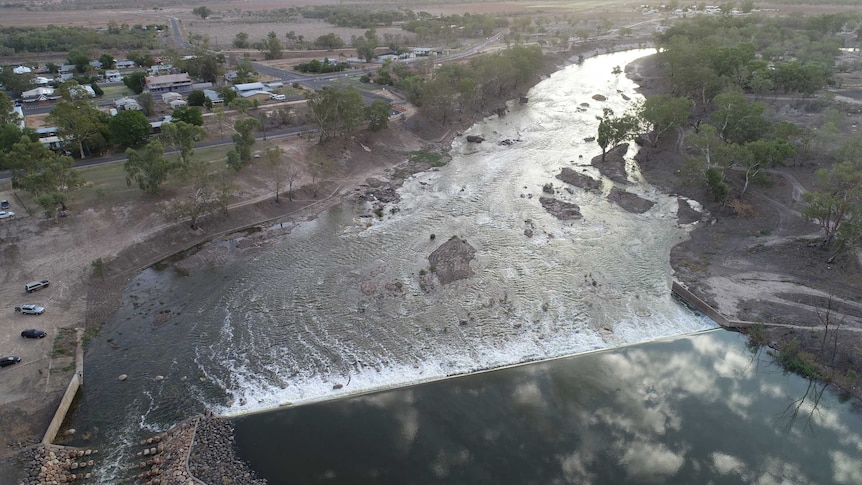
point(563, 211)
point(629, 201)
point(451, 261)
point(614, 164)
point(572, 177)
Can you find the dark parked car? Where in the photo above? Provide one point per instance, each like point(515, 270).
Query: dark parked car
point(7, 361)
point(4, 204)
point(33, 333)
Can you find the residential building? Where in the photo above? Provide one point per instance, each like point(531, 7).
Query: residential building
point(113, 76)
point(180, 83)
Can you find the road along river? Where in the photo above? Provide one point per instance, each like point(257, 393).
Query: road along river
point(339, 304)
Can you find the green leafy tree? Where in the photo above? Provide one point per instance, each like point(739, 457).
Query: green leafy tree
point(197, 98)
point(203, 12)
point(77, 121)
point(50, 203)
point(107, 61)
point(275, 161)
point(188, 114)
point(244, 140)
point(329, 41)
point(245, 72)
point(241, 104)
point(837, 204)
point(664, 113)
point(135, 81)
point(80, 58)
point(613, 130)
point(366, 46)
point(147, 167)
point(7, 114)
point(182, 136)
point(240, 41)
point(337, 111)
point(377, 114)
point(147, 103)
point(129, 128)
point(271, 47)
point(764, 154)
point(737, 119)
point(39, 171)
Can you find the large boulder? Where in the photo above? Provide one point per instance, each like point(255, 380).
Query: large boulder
point(451, 261)
point(614, 164)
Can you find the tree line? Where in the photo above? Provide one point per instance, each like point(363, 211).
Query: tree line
point(717, 69)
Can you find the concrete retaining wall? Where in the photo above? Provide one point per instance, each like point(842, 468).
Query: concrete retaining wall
point(62, 409)
point(701, 306)
point(71, 390)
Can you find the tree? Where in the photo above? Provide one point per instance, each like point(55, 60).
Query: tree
point(39, 171)
point(135, 81)
point(366, 45)
point(189, 114)
point(203, 12)
point(204, 65)
point(243, 141)
point(377, 114)
point(197, 98)
point(241, 41)
point(615, 129)
point(737, 119)
point(245, 72)
point(8, 116)
point(329, 41)
point(764, 154)
point(710, 160)
point(663, 113)
point(147, 103)
point(129, 128)
point(147, 167)
point(275, 160)
point(210, 195)
point(183, 137)
point(107, 61)
point(337, 111)
point(241, 104)
point(271, 47)
point(77, 121)
point(80, 58)
point(837, 202)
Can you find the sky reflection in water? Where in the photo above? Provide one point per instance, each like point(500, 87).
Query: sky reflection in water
point(700, 409)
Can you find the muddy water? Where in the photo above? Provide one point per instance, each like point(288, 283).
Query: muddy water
point(338, 306)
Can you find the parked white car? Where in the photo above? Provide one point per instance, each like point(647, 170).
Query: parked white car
point(6, 214)
point(278, 97)
point(30, 309)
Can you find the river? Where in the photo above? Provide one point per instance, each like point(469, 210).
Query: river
point(336, 307)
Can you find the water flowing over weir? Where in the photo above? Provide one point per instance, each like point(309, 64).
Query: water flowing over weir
point(337, 306)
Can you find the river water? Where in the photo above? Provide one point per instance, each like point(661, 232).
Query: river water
point(336, 307)
point(699, 409)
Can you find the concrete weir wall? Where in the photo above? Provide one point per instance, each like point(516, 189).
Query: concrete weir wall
point(71, 390)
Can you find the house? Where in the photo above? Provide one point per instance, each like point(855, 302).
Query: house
point(230, 76)
point(180, 83)
point(40, 81)
point(213, 96)
point(170, 97)
point(97, 64)
point(38, 94)
point(18, 111)
point(161, 69)
point(113, 76)
point(252, 91)
point(275, 85)
point(127, 103)
point(387, 57)
point(177, 103)
point(421, 51)
point(22, 70)
point(125, 64)
point(82, 91)
point(67, 69)
point(49, 139)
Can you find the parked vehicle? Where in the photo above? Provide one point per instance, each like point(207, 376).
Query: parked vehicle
point(35, 285)
point(10, 360)
point(6, 214)
point(30, 309)
point(4, 204)
point(33, 333)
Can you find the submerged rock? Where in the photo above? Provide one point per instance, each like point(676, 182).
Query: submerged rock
point(475, 139)
point(629, 201)
point(572, 177)
point(563, 211)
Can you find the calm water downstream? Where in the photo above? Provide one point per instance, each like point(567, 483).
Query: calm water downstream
point(703, 409)
point(336, 307)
